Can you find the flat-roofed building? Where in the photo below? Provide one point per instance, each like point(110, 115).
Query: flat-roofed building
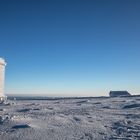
point(119, 93)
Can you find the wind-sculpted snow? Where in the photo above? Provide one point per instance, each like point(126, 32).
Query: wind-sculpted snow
point(131, 106)
point(71, 119)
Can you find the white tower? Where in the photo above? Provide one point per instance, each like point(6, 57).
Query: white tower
point(2, 79)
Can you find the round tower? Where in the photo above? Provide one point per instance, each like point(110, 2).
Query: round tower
point(2, 79)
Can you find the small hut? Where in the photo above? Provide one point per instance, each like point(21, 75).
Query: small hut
point(119, 93)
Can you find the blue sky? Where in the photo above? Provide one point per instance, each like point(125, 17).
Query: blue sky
point(70, 47)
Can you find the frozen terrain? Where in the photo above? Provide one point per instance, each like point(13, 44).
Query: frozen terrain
point(71, 119)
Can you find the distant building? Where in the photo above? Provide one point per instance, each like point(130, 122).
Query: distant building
point(119, 93)
point(2, 79)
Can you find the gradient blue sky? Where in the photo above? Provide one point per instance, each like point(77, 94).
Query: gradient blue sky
point(70, 47)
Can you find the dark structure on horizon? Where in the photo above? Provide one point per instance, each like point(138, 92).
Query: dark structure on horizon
point(119, 93)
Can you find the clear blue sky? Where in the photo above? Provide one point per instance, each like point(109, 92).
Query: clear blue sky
point(70, 47)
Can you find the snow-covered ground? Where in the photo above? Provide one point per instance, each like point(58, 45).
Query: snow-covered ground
point(71, 119)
